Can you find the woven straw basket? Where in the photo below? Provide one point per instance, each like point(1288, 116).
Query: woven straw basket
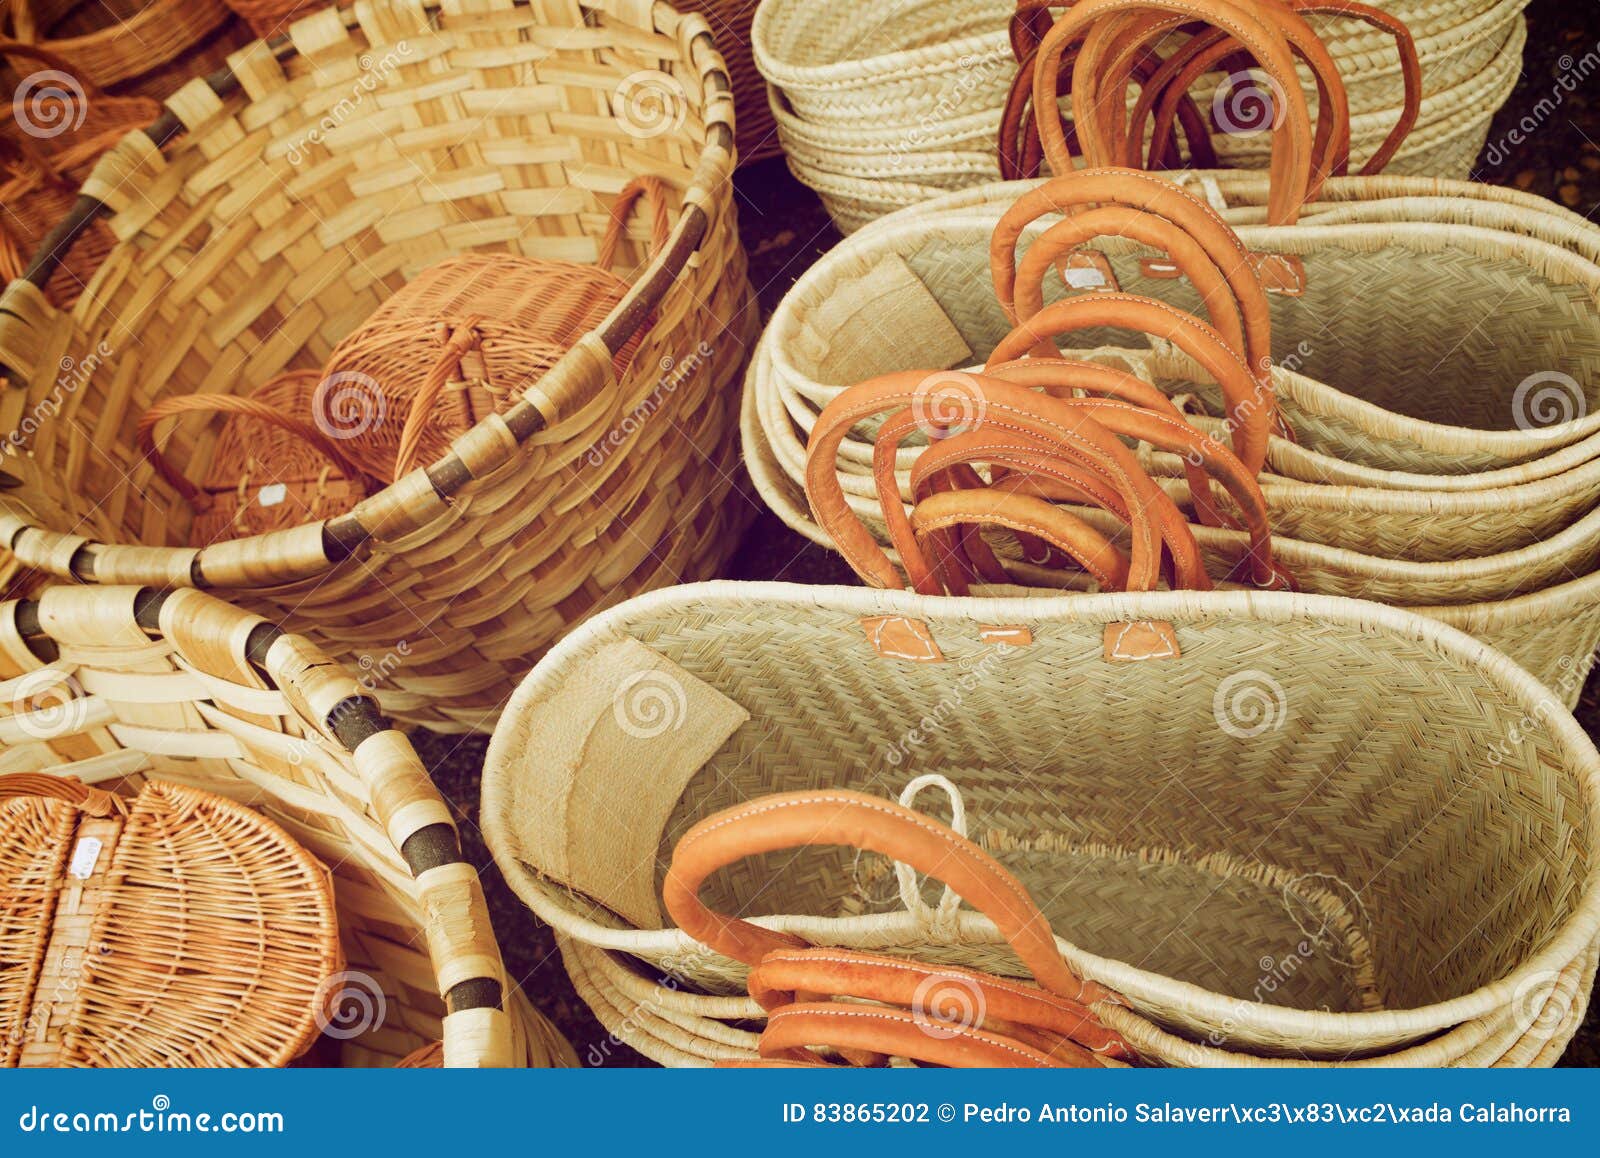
point(121, 687)
point(106, 44)
point(125, 947)
point(288, 198)
point(1260, 820)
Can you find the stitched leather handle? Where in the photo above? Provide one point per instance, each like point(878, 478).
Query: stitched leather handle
point(1291, 159)
point(856, 820)
point(94, 801)
point(244, 407)
point(1130, 188)
point(1251, 404)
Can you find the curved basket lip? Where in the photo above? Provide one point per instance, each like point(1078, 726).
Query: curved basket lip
point(1356, 1030)
point(865, 72)
point(978, 210)
point(344, 536)
point(1349, 1029)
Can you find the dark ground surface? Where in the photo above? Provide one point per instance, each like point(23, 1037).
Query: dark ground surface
point(785, 230)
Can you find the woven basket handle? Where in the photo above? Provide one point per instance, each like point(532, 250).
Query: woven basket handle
point(20, 45)
point(856, 820)
point(1251, 402)
point(243, 407)
point(94, 801)
point(652, 192)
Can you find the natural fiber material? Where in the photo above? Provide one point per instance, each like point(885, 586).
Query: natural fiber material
point(269, 18)
point(730, 22)
point(290, 210)
point(1335, 758)
point(40, 171)
point(175, 929)
point(183, 689)
point(105, 44)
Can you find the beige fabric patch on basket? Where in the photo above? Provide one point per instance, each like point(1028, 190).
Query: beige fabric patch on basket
point(617, 744)
point(852, 336)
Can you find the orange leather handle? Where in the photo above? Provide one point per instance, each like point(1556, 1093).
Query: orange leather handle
point(245, 407)
point(1148, 194)
point(1252, 406)
point(856, 820)
point(1291, 161)
point(94, 801)
point(990, 400)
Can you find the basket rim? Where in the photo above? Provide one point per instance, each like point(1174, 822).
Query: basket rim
point(355, 718)
point(1571, 938)
point(344, 537)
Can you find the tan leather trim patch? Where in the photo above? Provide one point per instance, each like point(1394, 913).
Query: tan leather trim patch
point(1160, 268)
point(898, 637)
point(1280, 273)
point(1010, 636)
point(1140, 640)
point(1087, 270)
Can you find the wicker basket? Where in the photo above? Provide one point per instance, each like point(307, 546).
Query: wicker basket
point(229, 272)
point(60, 126)
point(684, 702)
point(122, 687)
point(110, 43)
point(194, 967)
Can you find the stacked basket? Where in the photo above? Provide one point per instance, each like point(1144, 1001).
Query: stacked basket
point(878, 109)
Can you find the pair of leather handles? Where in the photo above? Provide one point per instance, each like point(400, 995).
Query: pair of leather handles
point(870, 1007)
point(1099, 47)
point(650, 190)
point(1020, 415)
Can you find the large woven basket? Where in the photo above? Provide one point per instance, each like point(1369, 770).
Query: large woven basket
point(287, 198)
point(120, 686)
point(1272, 843)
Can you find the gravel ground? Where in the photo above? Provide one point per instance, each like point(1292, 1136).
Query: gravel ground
point(1555, 154)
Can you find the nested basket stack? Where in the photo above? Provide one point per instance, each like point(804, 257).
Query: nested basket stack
point(121, 686)
point(1429, 471)
point(277, 204)
point(879, 109)
point(1270, 838)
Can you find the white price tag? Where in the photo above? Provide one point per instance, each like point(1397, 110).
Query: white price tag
point(271, 496)
point(85, 857)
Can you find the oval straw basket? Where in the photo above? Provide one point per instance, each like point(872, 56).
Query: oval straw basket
point(122, 687)
point(373, 144)
point(1269, 814)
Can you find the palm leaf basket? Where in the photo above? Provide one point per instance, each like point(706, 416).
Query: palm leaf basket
point(1214, 833)
point(121, 687)
point(278, 203)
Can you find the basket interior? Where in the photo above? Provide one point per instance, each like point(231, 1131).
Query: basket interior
point(809, 35)
point(487, 133)
point(1453, 342)
point(1317, 815)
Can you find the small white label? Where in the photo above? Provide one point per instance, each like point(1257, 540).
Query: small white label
point(271, 496)
point(1084, 277)
point(85, 857)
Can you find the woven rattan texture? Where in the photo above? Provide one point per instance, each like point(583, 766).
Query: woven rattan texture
point(119, 707)
point(287, 214)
